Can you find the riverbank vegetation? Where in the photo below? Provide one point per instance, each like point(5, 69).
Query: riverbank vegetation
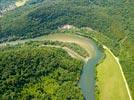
point(112, 21)
point(122, 49)
point(75, 47)
point(33, 72)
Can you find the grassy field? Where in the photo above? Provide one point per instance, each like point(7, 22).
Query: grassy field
point(110, 82)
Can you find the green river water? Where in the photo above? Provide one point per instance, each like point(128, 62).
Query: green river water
point(87, 80)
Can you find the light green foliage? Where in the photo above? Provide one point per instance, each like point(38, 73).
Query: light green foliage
point(33, 72)
point(72, 46)
point(110, 83)
point(122, 48)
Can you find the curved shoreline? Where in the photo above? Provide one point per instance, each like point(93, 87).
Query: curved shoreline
point(87, 78)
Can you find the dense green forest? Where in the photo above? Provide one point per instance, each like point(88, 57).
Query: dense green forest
point(35, 21)
point(113, 21)
point(32, 72)
point(73, 46)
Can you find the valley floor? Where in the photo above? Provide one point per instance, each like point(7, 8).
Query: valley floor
point(110, 84)
point(110, 81)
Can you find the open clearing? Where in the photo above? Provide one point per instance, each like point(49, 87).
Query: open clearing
point(20, 3)
point(110, 82)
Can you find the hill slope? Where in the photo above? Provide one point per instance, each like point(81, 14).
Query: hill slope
point(28, 71)
point(113, 20)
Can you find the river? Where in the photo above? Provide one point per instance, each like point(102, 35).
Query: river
point(87, 79)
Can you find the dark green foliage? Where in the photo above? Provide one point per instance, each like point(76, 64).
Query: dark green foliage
point(48, 16)
point(113, 18)
point(73, 46)
point(24, 68)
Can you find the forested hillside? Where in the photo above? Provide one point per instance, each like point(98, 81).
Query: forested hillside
point(112, 19)
point(31, 72)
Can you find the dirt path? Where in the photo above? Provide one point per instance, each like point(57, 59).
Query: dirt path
point(122, 73)
point(72, 53)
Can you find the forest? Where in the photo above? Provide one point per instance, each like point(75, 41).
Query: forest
point(17, 24)
point(111, 20)
point(33, 72)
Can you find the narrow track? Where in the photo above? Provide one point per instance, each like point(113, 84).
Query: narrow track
point(122, 73)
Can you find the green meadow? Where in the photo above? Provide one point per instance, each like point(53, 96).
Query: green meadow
point(110, 83)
